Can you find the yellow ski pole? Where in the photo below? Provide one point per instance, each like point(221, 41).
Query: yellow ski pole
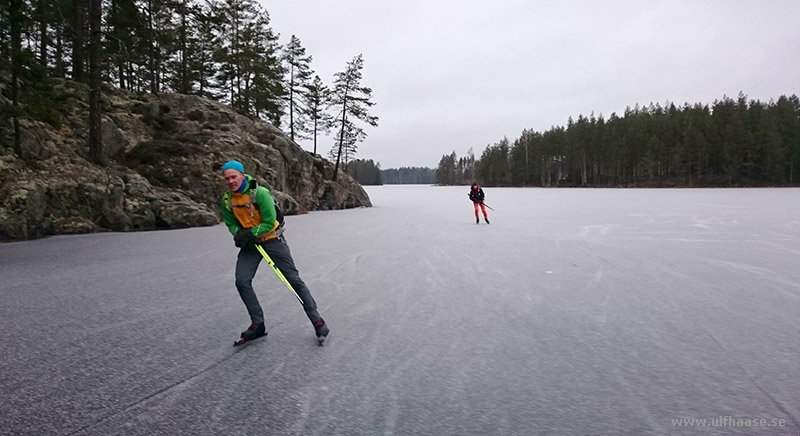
point(278, 272)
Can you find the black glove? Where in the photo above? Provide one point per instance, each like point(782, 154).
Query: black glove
point(244, 238)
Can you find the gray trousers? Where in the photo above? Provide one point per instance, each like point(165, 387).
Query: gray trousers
point(246, 266)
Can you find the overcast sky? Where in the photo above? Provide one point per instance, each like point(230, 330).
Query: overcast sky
point(450, 75)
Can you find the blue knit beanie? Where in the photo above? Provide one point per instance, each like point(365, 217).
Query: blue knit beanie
point(233, 165)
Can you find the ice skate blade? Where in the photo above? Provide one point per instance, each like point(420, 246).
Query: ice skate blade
point(241, 342)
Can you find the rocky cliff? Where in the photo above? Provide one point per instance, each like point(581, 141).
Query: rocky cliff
point(166, 152)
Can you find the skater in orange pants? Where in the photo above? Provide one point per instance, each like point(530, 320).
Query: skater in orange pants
point(477, 197)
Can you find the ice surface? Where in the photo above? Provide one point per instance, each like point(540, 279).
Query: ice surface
point(577, 311)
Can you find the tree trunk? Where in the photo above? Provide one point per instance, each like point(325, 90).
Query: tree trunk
point(15, 16)
point(584, 175)
point(43, 32)
point(315, 135)
point(341, 138)
point(78, 36)
point(121, 73)
point(184, 67)
point(96, 149)
point(291, 102)
point(120, 59)
point(151, 48)
point(59, 48)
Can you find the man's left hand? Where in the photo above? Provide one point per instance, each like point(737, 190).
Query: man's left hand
point(244, 238)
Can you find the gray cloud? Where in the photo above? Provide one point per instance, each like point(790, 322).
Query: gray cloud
point(450, 75)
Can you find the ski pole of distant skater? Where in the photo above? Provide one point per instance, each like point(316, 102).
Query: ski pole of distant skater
point(490, 207)
point(278, 272)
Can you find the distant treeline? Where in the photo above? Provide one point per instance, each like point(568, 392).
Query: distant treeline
point(367, 172)
point(409, 176)
point(729, 143)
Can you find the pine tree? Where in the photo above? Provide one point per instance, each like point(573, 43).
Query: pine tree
point(365, 172)
point(268, 92)
point(317, 100)
point(78, 38)
point(446, 171)
point(183, 53)
point(298, 68)
point(13, 53)
point(787, 116)
point(160, 38)
point(59, 26)
point(235, 15)
point(493, 169)
point(125, 35)
point(43, 17)
point(202, 68)
point(249, 74)
point(354, 101)
point(96, 149)
point(347, 147)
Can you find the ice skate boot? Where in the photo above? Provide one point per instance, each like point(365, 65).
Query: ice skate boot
point(255, 331)
point(322, 330)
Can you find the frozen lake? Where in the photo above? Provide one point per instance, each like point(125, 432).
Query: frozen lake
point(577, 311)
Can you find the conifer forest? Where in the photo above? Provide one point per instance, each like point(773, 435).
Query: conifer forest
point(732, 142)
point(224, 50)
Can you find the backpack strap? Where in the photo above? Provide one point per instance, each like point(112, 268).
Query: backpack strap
point(251, 198)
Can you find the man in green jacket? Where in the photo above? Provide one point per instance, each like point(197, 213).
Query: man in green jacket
point(252, 218)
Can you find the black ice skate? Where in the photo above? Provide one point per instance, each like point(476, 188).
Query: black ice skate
point(255, 331)
point(322, 331)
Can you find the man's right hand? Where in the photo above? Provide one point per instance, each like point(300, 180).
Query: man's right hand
point(244, 238)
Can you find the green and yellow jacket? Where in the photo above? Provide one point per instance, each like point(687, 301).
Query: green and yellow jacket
point(252, 209)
